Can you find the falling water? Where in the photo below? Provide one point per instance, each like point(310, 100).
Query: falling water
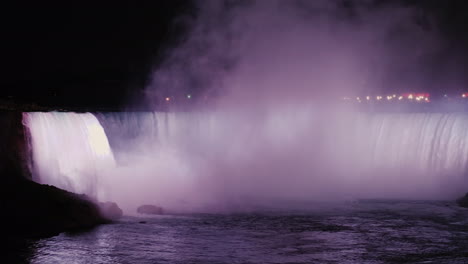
point(69, 151)
point(227, 157)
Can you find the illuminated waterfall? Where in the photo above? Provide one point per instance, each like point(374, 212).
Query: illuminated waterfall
point(225, 155)
point(376, 154)
point(70, 150)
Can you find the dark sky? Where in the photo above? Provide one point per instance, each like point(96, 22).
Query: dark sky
point(99, 54)
point(83, 53)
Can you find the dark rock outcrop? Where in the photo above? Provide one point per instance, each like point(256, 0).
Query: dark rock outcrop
point(150, 209)
point(110, 210)
point(463, 201)
point(33, 210)
point(14, 147)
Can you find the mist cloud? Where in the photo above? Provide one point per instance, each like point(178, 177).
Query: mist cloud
point(272, 127)
point(262, 50)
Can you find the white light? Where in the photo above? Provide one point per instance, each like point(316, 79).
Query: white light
point(97, 140)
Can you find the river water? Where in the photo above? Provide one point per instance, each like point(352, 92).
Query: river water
point(377, 231)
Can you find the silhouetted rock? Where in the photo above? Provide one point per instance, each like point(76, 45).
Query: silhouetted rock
point(150, 209)
point(33, 210)
point(14, 148)
point(110, 210)
point(463, 201)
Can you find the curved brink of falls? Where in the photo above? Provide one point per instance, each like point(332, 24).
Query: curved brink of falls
point(226, 157)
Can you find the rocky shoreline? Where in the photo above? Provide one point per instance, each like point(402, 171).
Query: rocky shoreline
point(32, 210)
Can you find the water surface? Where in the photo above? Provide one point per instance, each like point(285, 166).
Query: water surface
point(355, 232)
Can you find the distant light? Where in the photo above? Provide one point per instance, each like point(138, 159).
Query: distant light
point(367, 97)
point(463, 95)
point(426, 99)
point(168, 99)
point(445, 95)
point(400, 98)
point(394, 95)
point(410, 96)
point(357, 98)
point(189, 96)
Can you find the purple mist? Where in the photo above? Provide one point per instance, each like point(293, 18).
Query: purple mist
point(273, 127)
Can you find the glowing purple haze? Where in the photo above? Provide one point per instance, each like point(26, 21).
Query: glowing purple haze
point(218, 160)
point(274, 132)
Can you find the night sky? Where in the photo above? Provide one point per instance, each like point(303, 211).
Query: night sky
point(102, 54)
point(89, 54)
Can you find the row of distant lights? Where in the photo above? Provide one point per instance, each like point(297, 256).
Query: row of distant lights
point(416, 97)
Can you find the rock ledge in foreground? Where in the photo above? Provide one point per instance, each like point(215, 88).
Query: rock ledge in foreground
point(32, 210)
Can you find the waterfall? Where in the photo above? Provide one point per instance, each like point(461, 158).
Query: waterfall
point(224, 156)
point(69, 150)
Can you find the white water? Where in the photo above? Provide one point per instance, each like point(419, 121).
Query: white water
point(70, 151)
point(183, 160)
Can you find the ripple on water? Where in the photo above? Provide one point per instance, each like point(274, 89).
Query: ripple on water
point(364, 232)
